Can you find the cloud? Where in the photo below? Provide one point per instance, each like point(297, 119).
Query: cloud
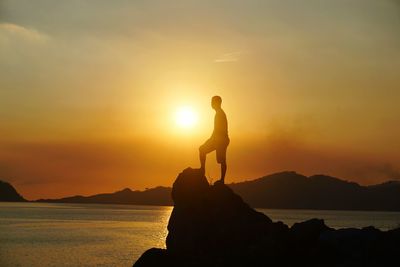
point(228, 57)
point(10, 31)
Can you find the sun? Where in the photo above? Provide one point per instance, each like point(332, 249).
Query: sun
point(185, 117)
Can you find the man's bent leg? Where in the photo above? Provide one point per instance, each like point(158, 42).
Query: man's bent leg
point(204, 149)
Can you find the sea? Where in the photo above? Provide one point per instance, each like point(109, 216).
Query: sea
point(44, 234)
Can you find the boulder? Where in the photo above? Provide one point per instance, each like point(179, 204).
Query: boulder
point(211, 226)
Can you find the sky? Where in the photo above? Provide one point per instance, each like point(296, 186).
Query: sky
point(89, 90)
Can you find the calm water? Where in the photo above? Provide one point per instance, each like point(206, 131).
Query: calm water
point(35, 234)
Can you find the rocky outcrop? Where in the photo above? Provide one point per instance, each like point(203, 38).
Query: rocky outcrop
point(8, 193)
point(212, 226)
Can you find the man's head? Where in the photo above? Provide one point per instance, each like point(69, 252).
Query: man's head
point(216, 102)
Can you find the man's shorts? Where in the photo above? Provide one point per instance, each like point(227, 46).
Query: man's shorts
point(219, 145)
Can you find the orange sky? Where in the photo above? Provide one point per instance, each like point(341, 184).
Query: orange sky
point(88, 92)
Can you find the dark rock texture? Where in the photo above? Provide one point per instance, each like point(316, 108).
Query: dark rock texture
point(8, 193)
point(212, 226)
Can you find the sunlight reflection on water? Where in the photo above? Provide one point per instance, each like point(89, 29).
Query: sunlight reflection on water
point(35, 234)
point(40, 234)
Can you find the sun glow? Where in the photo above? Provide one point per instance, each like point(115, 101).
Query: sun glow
point(185, 117)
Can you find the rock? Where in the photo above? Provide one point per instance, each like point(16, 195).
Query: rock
point(189, 188)
point(309, 231)
point(212, 226)
point(211, 221)
point(154, 257)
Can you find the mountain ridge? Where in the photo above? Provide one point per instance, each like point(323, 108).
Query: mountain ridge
point(282, 190)
point(159, 195)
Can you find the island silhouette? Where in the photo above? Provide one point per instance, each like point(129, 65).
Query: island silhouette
point(9, 194)
point(283, 190)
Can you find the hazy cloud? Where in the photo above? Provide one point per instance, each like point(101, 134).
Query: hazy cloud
point(387, 171)
point(10, 31)
point(228, 57)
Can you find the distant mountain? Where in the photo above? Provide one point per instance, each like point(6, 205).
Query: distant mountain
point(289, 190)
point(154, 196)
point(8, 193)
point(285, 190)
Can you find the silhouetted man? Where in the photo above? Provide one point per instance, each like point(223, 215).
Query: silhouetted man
point(219, 139)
